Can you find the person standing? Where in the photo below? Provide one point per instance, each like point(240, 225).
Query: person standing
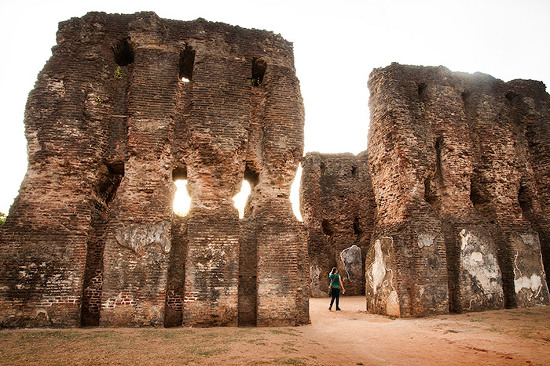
point(336, 285)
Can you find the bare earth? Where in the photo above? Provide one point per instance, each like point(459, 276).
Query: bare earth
point(347, 337)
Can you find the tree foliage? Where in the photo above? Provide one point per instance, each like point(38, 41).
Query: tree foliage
point(2, 218)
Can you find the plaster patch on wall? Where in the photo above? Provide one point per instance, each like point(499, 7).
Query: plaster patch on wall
point(378, 267)
point(314, 275)
point(353, 263)
point(529, 278)
point(534, 283)
point(138, 237)
point(480, 264)
point(392, 305)
point(530, 239)
point(426, 240)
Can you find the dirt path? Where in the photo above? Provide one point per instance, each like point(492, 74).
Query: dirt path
point(348, 337)
point(507, 337)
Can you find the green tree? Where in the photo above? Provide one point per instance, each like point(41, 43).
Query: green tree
point(2, 218)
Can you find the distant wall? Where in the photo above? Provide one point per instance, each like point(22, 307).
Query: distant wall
point(337, 205)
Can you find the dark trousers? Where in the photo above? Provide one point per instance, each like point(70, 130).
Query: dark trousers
point(335, 293)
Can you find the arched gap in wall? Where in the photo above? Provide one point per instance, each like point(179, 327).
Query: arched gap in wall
point(353, 171)
point(295, 194)
point(123, 52)
point(186, 64)
point(241, 198)
point(182, 200)
point(258, 71)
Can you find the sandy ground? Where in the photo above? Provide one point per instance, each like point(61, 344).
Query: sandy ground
point(347, 337)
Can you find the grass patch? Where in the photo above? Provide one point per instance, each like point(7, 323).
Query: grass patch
point(289, 361)
point(289, 331)
point(199, 351)
point(477, 320)
point(258, 341)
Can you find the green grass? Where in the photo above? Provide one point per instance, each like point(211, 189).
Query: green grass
point(199, 351)
point(289, 361)
point(477, 320)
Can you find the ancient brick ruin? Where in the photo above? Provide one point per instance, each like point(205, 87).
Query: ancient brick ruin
point(460, 167)
point(460, 173)
point(448, 209)
point(337, 206)
point(126, 105)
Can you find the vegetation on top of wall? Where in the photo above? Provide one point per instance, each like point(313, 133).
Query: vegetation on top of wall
point(2, 218)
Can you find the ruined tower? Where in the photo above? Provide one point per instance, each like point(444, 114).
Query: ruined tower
point(126, 105)
point(460, 168)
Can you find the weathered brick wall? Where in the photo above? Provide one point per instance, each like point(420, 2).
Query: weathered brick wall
point(337, 204)
point(92, 239)
point(459, 168)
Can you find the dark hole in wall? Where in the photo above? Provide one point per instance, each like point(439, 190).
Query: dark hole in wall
point(353, 171)
point(510, 96)
point(187, 62)
point(524, 201)
point(258, 71)
point(116, 172)
point(421, 91)
point(251, 176)
point(179, 172)
point(323, 168)
point(327, 229)
point(124, 54)
point(476, 195)
point(357, 227)
point(465, 95)
point(431, 194)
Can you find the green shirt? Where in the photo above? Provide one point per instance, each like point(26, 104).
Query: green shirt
point(335, 278)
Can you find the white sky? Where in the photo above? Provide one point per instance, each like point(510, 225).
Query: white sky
point(336, 45)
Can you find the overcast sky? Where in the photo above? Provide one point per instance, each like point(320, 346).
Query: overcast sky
point(336, 45)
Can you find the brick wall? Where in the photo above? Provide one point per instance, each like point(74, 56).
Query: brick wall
point(456, 170)
point(125, 105)
point(337, 204)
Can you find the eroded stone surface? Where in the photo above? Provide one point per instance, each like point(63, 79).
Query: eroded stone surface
point(352, 261)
